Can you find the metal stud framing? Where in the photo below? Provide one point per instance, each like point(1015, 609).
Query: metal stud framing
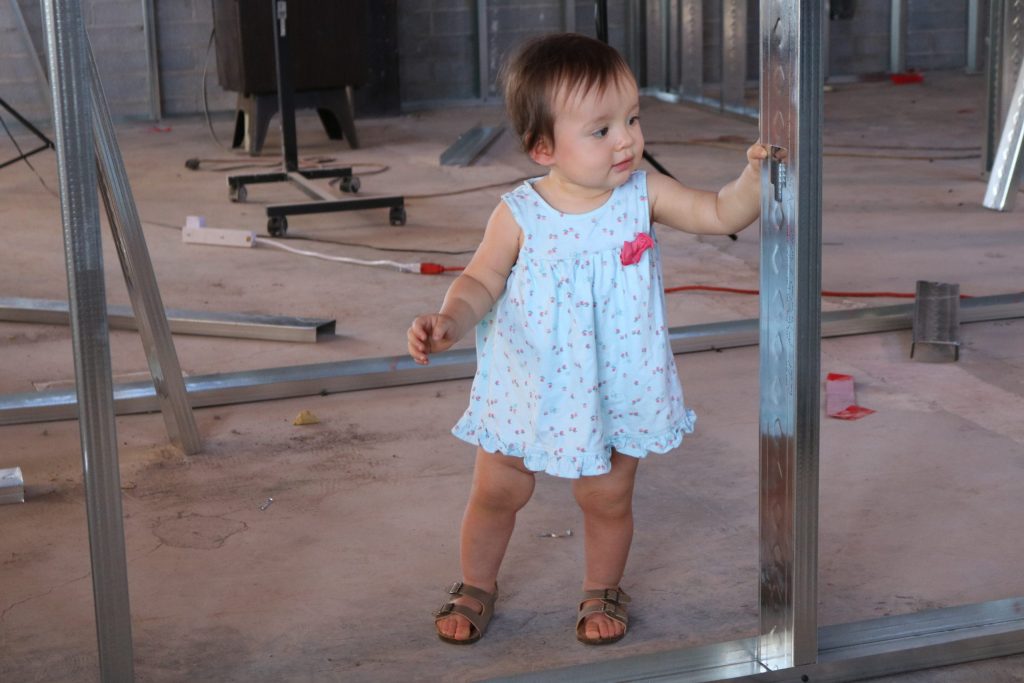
point(139, 275)
point(76, 168)
point(1003, 63)
point(1001, 194)
point(791, 114)
point(734, 54)
point(692, 83)
point(898, 36)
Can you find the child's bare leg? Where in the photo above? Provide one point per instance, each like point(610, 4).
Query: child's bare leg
point(607, 504)
point(501, 487)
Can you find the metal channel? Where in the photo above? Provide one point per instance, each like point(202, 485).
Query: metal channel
point(898, 36)
point(67, 54)
point(30, 47)
point(1003, 62)
point(149, 25)
point(993, 77)
point(390, 371)
point(673, 39)
point(1004, 179)
point(482, 51)
point(139, 275)
point(734, 54)
point(790, 342)
point(635, 40)
point(569, 16)
point(849, 652)
point(975, 37)
point(692, 29)
point(1011, 54)
point(201, 323)
point(657, 45)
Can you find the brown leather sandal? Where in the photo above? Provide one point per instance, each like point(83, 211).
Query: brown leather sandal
point(477, 620)
point(613, 605)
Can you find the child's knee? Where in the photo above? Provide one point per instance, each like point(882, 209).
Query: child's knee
point(612, 501)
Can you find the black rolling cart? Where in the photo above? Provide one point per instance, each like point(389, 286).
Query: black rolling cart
point(324, 202)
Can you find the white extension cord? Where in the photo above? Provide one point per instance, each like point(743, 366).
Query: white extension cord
point(196, 232)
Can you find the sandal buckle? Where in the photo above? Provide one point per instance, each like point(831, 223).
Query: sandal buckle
point(612, 595)
point(455, 588)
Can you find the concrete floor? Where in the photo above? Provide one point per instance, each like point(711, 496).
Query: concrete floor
point(920, 502)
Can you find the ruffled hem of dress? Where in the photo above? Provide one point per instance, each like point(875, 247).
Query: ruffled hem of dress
point(587, 465)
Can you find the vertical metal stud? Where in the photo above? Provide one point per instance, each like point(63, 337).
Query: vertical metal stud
point(482, 51)
point(993, 99)
point(1003, 61)
point(1012, 51)
point(692, 29)
point(826, 34)
point(149, 25)
point(673, 38)
point(657, 48)
point(975, 37)
point(734, 54)
point(569, 16)
point(791, 115)
point(636, 45)
point(1001, 193)
point(139, 277)
point(898, 36)
point(76, 167)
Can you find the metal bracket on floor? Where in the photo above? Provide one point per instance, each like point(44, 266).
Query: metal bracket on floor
point(203, 323)
point(470, 145)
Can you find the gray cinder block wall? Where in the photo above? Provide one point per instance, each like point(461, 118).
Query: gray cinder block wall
point(438, 47)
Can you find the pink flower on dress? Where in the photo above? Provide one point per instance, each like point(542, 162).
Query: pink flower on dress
point(632, 251)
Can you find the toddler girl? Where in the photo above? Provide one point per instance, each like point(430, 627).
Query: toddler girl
point(575, 376)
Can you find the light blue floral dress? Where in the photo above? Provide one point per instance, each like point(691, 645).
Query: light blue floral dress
point(573, 359)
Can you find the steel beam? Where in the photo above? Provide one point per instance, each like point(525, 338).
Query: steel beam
point(202, 323)
point(68, 57)
point(848, 652)
point(791, 116)
point(389, 371)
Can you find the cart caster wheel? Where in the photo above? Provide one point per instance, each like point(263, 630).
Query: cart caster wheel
point(277, 226)
point(397, 215)
point(237, 193)
point(350, 184)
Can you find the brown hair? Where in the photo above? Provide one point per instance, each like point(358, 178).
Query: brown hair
point(543, 66)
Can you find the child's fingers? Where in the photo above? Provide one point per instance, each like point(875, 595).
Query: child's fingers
point(440, 331)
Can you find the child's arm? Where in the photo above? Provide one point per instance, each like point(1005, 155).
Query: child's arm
point(733, 208)
point(473, 292)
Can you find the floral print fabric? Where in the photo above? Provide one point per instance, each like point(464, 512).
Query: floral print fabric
point(573, 359)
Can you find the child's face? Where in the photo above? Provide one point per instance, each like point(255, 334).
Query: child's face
point(598, 142)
